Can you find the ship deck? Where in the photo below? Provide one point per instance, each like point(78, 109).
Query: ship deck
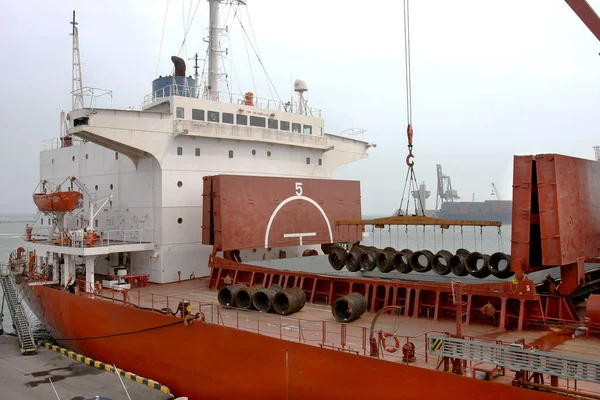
point(315, 325)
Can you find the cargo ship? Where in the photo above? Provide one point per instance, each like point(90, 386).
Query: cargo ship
point(488, 210)
point(200, 201)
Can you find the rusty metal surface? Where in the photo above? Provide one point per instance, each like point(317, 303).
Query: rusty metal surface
point(244, 212)
point(556, 215)
point(593, 308)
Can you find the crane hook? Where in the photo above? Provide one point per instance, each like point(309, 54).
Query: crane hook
point(409, 134)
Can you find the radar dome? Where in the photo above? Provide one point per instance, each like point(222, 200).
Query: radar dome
point(300, 86)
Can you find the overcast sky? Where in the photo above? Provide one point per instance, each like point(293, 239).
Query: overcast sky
point(491, 79)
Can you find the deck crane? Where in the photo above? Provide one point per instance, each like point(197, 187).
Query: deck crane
point(587, 15)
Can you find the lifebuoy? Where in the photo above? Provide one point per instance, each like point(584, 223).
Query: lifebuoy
point(390, 348)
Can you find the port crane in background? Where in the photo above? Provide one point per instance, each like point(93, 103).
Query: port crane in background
point(495, 192)
point(444, 188)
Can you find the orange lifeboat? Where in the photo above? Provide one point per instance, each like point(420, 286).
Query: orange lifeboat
point(57, 201)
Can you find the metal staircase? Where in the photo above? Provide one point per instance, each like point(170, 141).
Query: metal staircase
point(17, 313)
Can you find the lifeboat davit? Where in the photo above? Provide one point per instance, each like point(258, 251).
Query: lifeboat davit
point(58, 201)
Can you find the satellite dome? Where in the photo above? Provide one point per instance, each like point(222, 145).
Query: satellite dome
point(300, 86)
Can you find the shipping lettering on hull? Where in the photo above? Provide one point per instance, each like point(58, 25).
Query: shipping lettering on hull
point(243, 212)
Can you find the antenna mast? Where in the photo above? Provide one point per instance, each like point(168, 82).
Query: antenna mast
point(214, 49)
point(76, 85)
point(196, 81)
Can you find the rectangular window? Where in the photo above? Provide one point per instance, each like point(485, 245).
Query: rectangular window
point(320, 162)
point(296, 128)
point(227, 118)
point(198, 115)
point(213, 116)
point(273, 124)
point(116, 155)
point(308, 160)
point(197, 151)
point(179, 112)
point(307, 130)
point(230, 153)
point(320, 131)
point(179, 151)
point(241, 119)
point(257, 121)
point(284, 125)
point(95, 223)
point(42, 221)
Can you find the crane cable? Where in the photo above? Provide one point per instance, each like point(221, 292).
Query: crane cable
point(411, 179)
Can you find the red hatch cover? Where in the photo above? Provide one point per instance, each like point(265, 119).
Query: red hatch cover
point(244, 212)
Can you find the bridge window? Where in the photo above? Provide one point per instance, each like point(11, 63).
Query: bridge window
point(241, 119)
point(257, 121)
point(307, 130)
point(198, 115)
point(227, 118)
point(197, 151)
point(273, 124)
point(213, 116)
point(296, 128)
point(284, 125)
point(179, 112)
point(179, 151)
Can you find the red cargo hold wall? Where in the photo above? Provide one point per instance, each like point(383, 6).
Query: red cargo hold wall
point(556, 211)
point(244, 212)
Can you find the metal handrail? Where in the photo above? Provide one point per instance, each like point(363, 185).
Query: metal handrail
point(117, 236)
point(229, 97)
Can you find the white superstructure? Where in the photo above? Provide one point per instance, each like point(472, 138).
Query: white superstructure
point(153, 160)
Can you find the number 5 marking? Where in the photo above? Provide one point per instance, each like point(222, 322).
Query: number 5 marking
point(298, 188)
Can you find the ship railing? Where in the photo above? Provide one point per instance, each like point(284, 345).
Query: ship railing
point(351, 338)
point(79, 238)
point(292, 107)
point(60, 142)
point(251, 133)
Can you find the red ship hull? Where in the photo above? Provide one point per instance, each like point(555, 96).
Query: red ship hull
point(207, 361)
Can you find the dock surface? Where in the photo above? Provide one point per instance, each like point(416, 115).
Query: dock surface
point(27, 377)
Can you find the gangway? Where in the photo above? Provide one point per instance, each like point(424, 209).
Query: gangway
point(17, 313)
point(515, 358)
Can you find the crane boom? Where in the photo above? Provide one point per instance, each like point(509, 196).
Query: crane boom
point(587, 15)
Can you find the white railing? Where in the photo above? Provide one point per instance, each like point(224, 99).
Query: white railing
point(249, 133)
point(291, 107)
point(58, 143)
point(78, 239)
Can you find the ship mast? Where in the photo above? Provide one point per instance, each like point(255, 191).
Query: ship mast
point(214, 49)
point(76, 85)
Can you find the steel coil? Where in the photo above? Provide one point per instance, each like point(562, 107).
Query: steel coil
point(243, 298)
point(368, 259)
point(262, 299)
point(457, 262)
point(337, 258)
point(421, 261)
point(477, 264)
point(401, 261)
point(289, 301)
point(349, 307)
point(500, 265)
point(228, 294)
point(352, 262)
point(441, 262)
point(385, 259)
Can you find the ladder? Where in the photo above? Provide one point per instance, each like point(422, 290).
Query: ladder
point(17, 313)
